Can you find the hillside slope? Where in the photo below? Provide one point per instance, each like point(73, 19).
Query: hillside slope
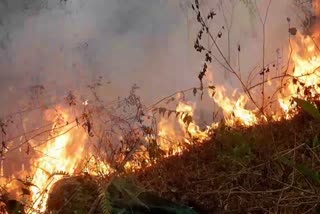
point(267, 168)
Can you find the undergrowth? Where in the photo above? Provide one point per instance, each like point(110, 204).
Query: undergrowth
point(270, 168)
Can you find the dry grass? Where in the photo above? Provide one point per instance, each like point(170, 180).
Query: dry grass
point(270, 168)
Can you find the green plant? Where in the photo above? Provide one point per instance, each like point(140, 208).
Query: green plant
point(308, 107)
point(309, 173)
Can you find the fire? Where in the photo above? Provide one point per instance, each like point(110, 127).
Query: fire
point(63, 153)
point(170, 137)
point(60, 154)
point(304, 80)
point(234, 111)
point(175, 132)
point(173, 136)
point(301, 80)
point(94, 166)
point(191, 127)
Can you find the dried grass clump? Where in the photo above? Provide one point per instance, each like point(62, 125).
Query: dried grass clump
point(270, 168)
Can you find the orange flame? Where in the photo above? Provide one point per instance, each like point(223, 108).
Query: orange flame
point(234, 111)
point(64, 152)
point(173, 136)
point(60, 154)
point(306, 60)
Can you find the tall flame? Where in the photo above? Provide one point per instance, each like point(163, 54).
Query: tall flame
point(305, 80)
point(60, 154)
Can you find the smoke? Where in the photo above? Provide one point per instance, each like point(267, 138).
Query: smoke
point(252, 33)
point(64, 45)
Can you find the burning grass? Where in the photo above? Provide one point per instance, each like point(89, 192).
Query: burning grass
point(267, 168)
point(263, 156)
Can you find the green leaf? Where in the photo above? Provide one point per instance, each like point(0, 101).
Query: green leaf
point(286, 161)
point(119, 211)
point(157, 204)
point(303, 169)
point(308, 107)
point(315, 142)
point(242, 151)
point(105, 202)
point(309, 173)
point(129, 191)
